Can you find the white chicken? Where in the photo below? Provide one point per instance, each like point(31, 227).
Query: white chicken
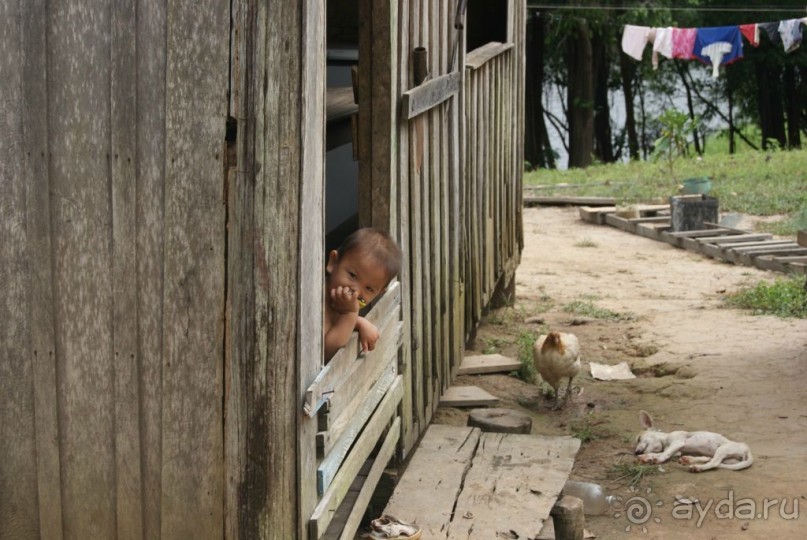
point(557, 356)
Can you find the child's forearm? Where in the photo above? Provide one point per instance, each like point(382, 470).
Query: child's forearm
point(339, 334)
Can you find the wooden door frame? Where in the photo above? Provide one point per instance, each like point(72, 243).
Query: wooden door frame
point(378, 113)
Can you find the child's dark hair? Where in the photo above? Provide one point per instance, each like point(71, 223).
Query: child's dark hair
point(378, 245)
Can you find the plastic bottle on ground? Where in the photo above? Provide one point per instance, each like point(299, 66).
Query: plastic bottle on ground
point(595, 501)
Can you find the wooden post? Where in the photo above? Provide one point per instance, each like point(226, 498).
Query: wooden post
point(567, 516)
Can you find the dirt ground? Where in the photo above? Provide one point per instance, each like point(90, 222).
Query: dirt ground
point(700, 367)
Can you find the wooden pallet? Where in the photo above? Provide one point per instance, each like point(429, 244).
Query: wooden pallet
point(723, 243)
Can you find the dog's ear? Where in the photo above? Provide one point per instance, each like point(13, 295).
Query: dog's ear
point(645, 420)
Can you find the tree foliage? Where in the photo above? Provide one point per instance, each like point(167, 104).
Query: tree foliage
point(766, 89)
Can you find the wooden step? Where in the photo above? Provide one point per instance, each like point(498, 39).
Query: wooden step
point(467, 396)
point(488, 363)
point(462, 483)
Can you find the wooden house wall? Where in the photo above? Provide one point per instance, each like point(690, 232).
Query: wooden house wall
point(113, 268)
point(275, 266)
point(160, 287)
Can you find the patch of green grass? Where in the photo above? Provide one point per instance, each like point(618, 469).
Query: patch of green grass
point(527, 373)
point(784, 297)
point(632, 473)
point(494, 345)
point(587, 308)
point(787, 226)
point(586, 242)
point(583, 430)
point(762, 183)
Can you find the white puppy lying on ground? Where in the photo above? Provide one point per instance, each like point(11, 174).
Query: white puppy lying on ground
point(701, 450)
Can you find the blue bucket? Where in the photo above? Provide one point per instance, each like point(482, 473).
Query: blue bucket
point(695, 186)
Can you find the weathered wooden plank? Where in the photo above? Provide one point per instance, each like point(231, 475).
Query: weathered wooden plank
point(487, 363)
point(427, 491)
point(429, 94)
point(384, 113)
point(19, 507)
point(768, 262)
point(652, 230)
point(738, 239)
point(725, 251)
point(78, 101)
point(764, 247)
point(323, 513)
point(350, 393)
point(534, 200)
point(747, 257)
point(801, 238)
point(446, 216)
point(123, 87)
point(342, 364)
point(793, 259)
point(383, 457)
point(620, 223)
point(706, 233)
point(466, 396)
point(151, 160)
point(512, 485)
point(365, 120)
point(311, 206)
point(408, 434)
point(484, 54)
point(329, 466)
point(192, 438)
point(417, 143)
point(39, 305)
point(348, 424)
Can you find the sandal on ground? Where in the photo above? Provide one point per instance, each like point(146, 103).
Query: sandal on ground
point(389, 528)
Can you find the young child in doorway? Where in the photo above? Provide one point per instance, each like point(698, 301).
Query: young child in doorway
point(356, 274)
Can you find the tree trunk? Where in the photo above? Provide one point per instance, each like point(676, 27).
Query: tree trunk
point(770, 106)
point(580, 96)
point(627, 71)
point(537, 149)
point(603, 144)
point(792, 107)
point(681, 68)
point(732, 146)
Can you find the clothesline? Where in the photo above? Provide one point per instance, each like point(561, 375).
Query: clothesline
point(728, 9)
point(716, 46)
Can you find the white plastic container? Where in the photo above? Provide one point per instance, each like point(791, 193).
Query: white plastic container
point(595, 501)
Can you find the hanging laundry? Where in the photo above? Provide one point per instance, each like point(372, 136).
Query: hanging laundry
point(718, 46)
point(634, 40)
point(751, 33)
point(790, 31)
point(772, 29)
point(662, 44)
point(683, 41)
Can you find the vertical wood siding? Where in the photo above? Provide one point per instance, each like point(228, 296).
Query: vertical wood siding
point(113, 222)
point(462, 176)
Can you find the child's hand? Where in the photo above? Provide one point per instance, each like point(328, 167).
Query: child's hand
point(368, 334)
point(344, 300)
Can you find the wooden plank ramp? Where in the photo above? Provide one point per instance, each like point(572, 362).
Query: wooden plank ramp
point(727, 244)
point(462, 483)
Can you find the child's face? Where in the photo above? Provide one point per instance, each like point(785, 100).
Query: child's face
point(358, 272)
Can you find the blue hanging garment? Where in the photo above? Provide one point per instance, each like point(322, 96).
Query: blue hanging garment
point(718, 45)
